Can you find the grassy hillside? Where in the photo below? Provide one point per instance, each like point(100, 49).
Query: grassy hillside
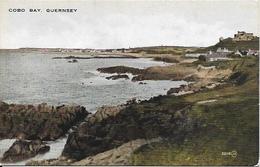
point(233, 45)
point(230, 124)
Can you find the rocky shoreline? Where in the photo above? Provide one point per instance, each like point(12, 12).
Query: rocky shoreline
point(112, 128)
point(128, 124)
point(32, 125)
point(118, 131)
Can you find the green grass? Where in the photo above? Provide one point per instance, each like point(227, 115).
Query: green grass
point(233, 45)
point(228, 124)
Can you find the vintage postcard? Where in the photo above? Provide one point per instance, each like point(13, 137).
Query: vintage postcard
point(129, 82)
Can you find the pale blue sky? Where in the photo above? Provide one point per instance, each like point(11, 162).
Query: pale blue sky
point(116, 24)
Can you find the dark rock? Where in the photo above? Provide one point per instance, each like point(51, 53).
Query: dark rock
point(38, 122)
point(120, 70)
point(73, 61)
point(142, 83)
point(105, 112)
point(22, 150)
point(150, 73)
point(137, 121)
point(114, 77)
point(179, 89)
point(147, 75)
point(173, 90)
point(238, 78)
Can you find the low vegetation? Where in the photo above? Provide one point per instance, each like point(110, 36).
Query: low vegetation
point(233, 45)
point(228, 134)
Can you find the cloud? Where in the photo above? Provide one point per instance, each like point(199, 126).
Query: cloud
point(110, 24)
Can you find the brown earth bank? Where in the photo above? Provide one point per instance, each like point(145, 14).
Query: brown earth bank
point(42, 122)
point(22, 149)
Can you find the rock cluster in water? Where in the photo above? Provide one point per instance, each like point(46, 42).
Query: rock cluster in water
point(120, 76)
point(120, 70)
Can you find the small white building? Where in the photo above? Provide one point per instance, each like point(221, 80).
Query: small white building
point(214, 56)
point(252, 52)
point(238, 53)
point(223, 50)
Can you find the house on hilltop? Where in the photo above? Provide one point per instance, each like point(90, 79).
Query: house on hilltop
point(243, 36)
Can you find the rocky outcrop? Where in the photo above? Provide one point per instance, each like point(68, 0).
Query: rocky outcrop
point(193, 88)
point(154, 76)
point(120, 70)
point(151, 73)
point(136, 121)
point(61, 161)
point(42, 122)
point(105, 112)
point(174, 91)
point(238, 78)
point(73, 61)
point(22, 150)
point(120, 76)
point(117, 156)
point(142, 83)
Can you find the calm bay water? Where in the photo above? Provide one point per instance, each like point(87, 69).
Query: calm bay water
point(36, 78)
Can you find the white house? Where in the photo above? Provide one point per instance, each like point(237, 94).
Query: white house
point(252, 52)
point(238, 53)
point(223, 50)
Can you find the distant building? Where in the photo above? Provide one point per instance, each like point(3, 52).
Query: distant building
point(223, 50)
point(238, 53)
point(214, 56)
point(243, 36)
point(252, 52)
